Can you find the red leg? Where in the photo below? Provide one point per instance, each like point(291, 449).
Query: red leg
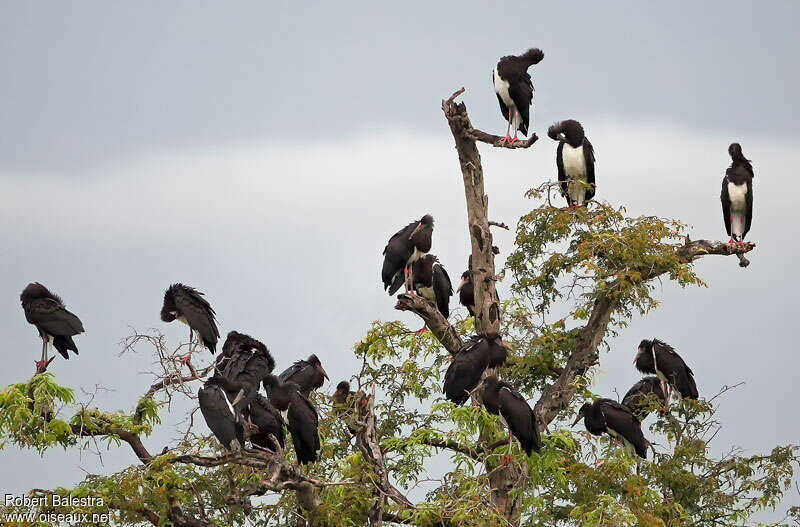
point(421, 330)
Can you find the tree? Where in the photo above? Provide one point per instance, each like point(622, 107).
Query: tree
point(596, 264)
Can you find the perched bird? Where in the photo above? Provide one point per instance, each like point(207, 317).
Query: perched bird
point(267, 421)
point(466, 292)
point(342, 400)
point(500, 398)
point(56, 325)
point(495, 347)
point(187, 305)
point(641, 396)
point(464, 373)
point(240, 346)
point(307, 374)
point(431, 281)
point(220, 413)
point(299, 413)
point(575, 162)
point(408, 245)
point(248, 364)
point(656, 357)
point(514, 90)
point(616, 420)
point(737, 195)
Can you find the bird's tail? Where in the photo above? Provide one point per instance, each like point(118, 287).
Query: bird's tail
point(63, 344)
point(532, 56)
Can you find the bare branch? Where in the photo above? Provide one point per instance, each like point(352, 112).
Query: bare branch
point(438, 325)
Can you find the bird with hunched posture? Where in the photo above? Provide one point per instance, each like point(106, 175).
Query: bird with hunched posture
point(56, 325)
point(219, 410)
point(605, 416)
point(307, 374)
point(500, 398)
point(466, 292)
point(408, 245)
point(300, 415)
point(266, 421)
point(187, 305)
point(464, 373)
point(575, 162)
point(431, 281)
point(342, 402)
point(737, 195)
point(247, 365)
point(643, 395)
point(514, 90)
point(659, 358)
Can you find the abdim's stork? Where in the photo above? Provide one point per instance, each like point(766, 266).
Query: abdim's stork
point(56, 325)
point(500, 398)
point(408, 245)
point(464, 373)
point(466, 292)
point(737, 195)
point(342, 401)
point(220, 412)
point(431, 281)
point(656, 357)
point(308, 374)
point(266, 421)
point(187, 305)
point(575, 162)
point(299, 413)
point(495, 348)
point(643, 396)
point(514, 90)
point(616, 420)
point(247, 366)
point(238, 348)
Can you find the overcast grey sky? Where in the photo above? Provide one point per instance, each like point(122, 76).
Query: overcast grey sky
point(265, 153)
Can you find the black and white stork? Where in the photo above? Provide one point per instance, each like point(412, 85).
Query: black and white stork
point(219, 410)
point(307, 374)
point(300, 415)
point(408, 245)
point(56, 325)
point(500, 398)
point(466, 292)
point(606, 416)
point(643, 395)
point(266, 421)
point(656, 357)
point(737, 195)
point(187, 305)
point(514, 89)
point(464, 373)
point(575, 162)
point(431, 281)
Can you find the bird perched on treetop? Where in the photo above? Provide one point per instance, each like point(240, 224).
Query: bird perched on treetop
point(408, 245)
point(737, 195)
point(575, 162)
point(56, 325)
point(514, 90)
point(187, 305)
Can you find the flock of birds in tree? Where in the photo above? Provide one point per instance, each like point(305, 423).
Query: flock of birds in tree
point(230, 400)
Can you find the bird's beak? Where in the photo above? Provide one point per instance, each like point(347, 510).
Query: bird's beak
point(415, 231)
point(463, 281)
point(577, 419)
point(239, 397)
point(323, 372)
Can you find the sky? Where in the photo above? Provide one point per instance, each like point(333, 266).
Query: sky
point(264, 153)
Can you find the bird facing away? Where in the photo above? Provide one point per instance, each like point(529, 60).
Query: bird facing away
point(240, 346)
point(187, 305)
point(495, 347)
point(656, 357)
point(737, 195)
point(301, 417)
point(409, 244)
point(466, 292)
point(575, 162)
point(464, 373)
point(307, 374)
point(642, 397)
point(431, 282)
point(220, 413)
point(56, 325)
point(266, 421)
point(500, 398)
point(247, 366)
point(616, 420)
point(514, 90)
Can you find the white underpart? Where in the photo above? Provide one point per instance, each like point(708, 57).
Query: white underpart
point(225, 396)
point(738, 197)
point(575, 170)
point(663, 378)
point(428, 293)
point(416, 255)
point(501, 88)
point(627, 444)
point(285, 415)
point(182, 318)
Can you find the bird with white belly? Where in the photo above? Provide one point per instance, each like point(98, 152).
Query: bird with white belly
point(737, 195)
point(575, 162)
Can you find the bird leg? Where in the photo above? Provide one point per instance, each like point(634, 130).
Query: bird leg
point(41, 365)
point(507, 138)
point(188, 358)
point(507, 458)
point(422, 330)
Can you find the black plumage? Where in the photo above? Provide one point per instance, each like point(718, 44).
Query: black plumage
point(267, 421)
point(240, 346)
point(464, 373)
point(495, 348)
point(642, 396)
point(514, 89)
point(248, 364)
point(307, 374)
point(659, 358)
point(575, 162)
point(500, 398)
point(432, 282)
point(605, 416)
point(466, 292)
point(342, 402)
point(55, 323)
point(301, 415)
point(406, 246)
point(187, 304)
point(737, 195)
point(223, 418)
